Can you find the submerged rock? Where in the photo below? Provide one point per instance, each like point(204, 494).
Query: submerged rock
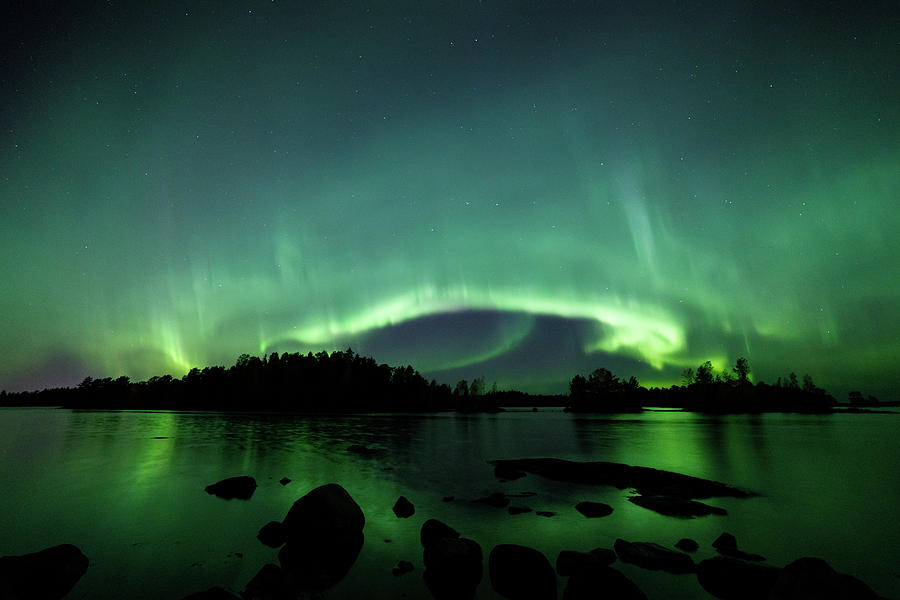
point(507, 473)
point(814, 579)
point(521, 573)
point(653, 556)
point(403, 567)
point(48, 574)
point(518, 510)
point(213, 593)
point(594, 509)
point(241, 487)
point(403, 508)
point(730, 578)
point(602, 583)
point(676, 507)
point(497, 500)
point(647, 481)
point(571, 562)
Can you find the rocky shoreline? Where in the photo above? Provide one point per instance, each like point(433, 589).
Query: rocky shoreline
point(322, 534)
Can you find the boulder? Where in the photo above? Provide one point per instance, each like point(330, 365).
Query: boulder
point(453, 567)
point(284, 481)
point(593, 509)
point(403, 508)
point(316, 565)
point(571, 562)
point(213, 593)
point(241, 488)
point(726, 544)
point(272, 534)
point(814, 579)
point(433, 530)
point(648, 555)
point(672, 506)
point(602, 583)
point(730, 578)
point(327, 514)
point(48, 574)
point(521, 573)
point(687, 545)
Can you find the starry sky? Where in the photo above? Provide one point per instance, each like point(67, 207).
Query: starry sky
point(519, 191)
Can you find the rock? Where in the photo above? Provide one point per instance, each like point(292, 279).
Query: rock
point(545, 513)
point(403, 567)
point(571, 562)
point(497, 500)
point(268, 583)
point(453, 568)
point(726, 542)
point(672, 506)
point(735, 579)
point(687, 544)
point(647, 481)
point(213, 593)
point(507, 473)
point(605, 582)
point(403, 508)
point(521, 573)
point(449, 498)
point(318, 564)
point(593, 509)
point(284, 481)
point(648, 555)
point(241, 488)
point(814, 579)
point(272, 534)
point(48, 574)
point(326, 514)
point(726, 545)
point(518, 510)
point(363, 451)
point(433, 530)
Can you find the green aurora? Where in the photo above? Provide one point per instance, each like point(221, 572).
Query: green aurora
point(520, 191)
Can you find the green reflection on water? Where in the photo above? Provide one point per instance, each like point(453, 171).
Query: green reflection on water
point(136, 505)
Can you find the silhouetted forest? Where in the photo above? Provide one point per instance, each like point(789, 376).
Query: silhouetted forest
point(703, 390)
point(347, 382)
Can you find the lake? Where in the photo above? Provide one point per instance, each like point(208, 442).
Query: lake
point(128, 489)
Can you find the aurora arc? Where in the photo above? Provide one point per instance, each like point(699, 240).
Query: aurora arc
point(520, 194)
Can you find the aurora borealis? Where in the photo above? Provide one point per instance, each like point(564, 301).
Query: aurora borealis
point(515, 190)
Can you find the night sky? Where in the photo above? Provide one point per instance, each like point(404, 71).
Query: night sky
point(516, 190)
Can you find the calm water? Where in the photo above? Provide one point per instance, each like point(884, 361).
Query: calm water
point(135, 505)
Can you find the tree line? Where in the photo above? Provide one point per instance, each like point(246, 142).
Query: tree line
point(703, 389)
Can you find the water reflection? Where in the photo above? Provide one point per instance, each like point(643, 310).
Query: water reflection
point(127, 487)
